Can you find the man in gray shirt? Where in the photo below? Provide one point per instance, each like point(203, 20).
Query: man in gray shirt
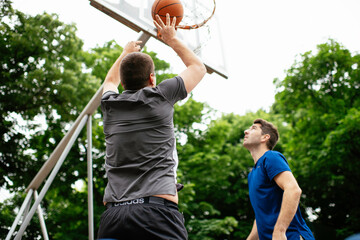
point(141, 159)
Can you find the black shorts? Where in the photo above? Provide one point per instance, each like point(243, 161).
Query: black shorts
point(143, 218)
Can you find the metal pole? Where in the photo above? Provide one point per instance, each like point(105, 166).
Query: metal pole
point(26, 212)
point(41, 218)
point(51, 177)
point(90, 108)
point(21, 211)
point(90, 180)
point(144, 37)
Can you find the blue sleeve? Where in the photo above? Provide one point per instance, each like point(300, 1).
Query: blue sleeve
point(275, 163)
point(173, 89)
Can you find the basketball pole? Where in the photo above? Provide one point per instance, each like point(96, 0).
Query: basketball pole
point(50, 179)
point(90, 179)
point(144, 37)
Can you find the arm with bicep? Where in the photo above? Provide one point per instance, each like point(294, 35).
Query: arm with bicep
point(290, 202)
point(195, 69)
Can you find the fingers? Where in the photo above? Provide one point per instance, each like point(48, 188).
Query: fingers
point(167, 19)
point(159, 21)
point(133, 46)
point(173, 24)
point(157, 25)
point(167, 30)
point(138, 45)
point(160, 24)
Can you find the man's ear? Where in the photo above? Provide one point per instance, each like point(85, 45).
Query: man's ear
point(152, 80)
point(265, 137)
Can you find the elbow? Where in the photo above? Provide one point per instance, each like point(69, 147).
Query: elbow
point(202, 69)
point(294, 191)
point(297, 192)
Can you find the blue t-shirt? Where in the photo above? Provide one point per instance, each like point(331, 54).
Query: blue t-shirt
point(266, 197)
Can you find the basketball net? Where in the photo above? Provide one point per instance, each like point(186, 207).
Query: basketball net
point(197, 13)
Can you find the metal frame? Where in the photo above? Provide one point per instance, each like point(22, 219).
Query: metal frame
point(53, 165)
point(150, 30)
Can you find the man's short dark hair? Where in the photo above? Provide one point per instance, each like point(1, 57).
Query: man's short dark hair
point(135, 70)
point(268, 128)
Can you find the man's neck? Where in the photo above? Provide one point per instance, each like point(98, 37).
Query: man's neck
point(258, 152)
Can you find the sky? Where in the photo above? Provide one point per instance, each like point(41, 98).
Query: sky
point(261, 39)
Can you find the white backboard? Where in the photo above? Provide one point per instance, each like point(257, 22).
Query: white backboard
point(205, 41)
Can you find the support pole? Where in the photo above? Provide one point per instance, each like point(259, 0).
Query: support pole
point(21, 211)
point(54, 163)
point(41, 218)
point(90, 179)
point(26, 212)
point(90, 108)
point(144, 37)
point(51, 177)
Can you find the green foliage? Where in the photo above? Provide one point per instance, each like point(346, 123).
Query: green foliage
point(41, 77)
point(45, 74)
point(209, 229)
point(216, 165)
point(6, 7)
point(319, 97)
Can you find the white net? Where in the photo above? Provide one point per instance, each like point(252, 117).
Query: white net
point(205, 41)
point(195, 20)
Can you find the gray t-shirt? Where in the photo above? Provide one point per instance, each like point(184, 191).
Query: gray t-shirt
point(141, 157)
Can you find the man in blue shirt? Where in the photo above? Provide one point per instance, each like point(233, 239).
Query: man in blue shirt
point(273, 190)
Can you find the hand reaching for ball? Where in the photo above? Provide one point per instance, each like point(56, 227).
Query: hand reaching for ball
point(166, 31)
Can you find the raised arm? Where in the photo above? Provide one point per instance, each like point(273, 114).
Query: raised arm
point(290, 202)
point(112, 79)
point(195, 69)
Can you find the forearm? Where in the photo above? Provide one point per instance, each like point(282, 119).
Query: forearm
point(112, 79)
point(289, 205)
point(188, 57)
point(113, 75)
point(195, 69)
point(254, 233)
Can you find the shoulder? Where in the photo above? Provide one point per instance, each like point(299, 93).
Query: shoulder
point(172, 82)
point(109, 94)
point(271, 158)
point(274, 155)
point(275, 162)
point(172, 89)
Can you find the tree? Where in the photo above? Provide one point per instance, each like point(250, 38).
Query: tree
point(214, 167)
point(41, 78)
point(50, 77)
point(320, 98)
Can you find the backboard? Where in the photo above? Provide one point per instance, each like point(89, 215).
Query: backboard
point(206, 41)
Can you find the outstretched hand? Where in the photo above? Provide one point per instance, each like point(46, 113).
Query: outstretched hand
point(166, 31)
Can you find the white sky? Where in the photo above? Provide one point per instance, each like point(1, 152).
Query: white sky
point(261, 40)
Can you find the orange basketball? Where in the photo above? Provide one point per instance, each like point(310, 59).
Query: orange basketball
point(173, 7)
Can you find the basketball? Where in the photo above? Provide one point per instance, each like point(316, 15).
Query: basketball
point(173, 7)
